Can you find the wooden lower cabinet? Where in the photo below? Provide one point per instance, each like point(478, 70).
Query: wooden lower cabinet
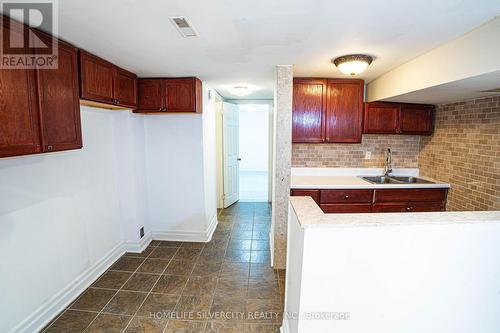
point(377, 201)
point(346, 208)
point(307, 193)
point(409, 207)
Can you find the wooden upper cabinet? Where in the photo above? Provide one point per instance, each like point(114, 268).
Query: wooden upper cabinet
point(398, 118)
point(344, 111)
point(58, 99)
point(96, 78)
point(170, 95)
point(103, 82)
point(125, 88)
point(309, 105)
point(183, 95)
point(19, 123)
point(381, 118)
point(150, 95)
point(416, 119)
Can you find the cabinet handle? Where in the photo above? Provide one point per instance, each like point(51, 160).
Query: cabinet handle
point(346, 196)
point(409, 209)
point(49, 147)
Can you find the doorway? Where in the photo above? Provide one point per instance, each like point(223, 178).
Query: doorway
point(244, 152)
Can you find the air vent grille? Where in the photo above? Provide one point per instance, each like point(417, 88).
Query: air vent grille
point(184, 27)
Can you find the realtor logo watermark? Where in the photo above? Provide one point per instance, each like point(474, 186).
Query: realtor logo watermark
point(23, 48)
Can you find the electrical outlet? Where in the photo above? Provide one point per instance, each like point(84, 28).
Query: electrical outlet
point(141, 232)
point(368, 155)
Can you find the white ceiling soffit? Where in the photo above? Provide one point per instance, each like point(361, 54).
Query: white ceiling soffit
point(241, 42)
point(474, 87)
point(469, 64)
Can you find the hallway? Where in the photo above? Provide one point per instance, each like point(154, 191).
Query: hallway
point(226, 285)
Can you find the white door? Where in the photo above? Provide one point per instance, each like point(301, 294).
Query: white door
point(230, 137)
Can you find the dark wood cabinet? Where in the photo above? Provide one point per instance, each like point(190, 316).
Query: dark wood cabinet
point(344, 111)
point(103, 82)
point(381, 118)
point(377, 201)
point(96, 78)
point(306, 193)
point(19, 122)
point(309, 105)
point(345, 208)
point(398, 118)
point(125, 88)
point(58, 100)
point(170, 95)
point(327, 110)
point(415, 119)
point(150, 95)
point(39, 108)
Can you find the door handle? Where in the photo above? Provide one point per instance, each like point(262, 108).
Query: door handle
point(238, 159)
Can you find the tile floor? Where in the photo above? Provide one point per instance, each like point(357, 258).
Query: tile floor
point(226, 285)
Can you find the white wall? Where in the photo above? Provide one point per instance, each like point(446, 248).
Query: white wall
point(65, 216)
point(59, 215)
point(254, 137)
point(410, 278)
point(180, 169)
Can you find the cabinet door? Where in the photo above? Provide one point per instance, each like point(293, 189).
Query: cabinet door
point(309, 105)
point(150, 95)
point(19, 123)
point(58, 99)
point(125, 88)
point(345, 208)
point(381, 118)
point(409, 207)
point(314, 194)
point(96, 78)
point(183, 95)
point(344, 111)
point(415, 119)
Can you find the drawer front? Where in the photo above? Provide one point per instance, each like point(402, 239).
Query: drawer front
point(408, 207)
point(346, 208)
point(307, 193)
point(346, 196)
point(410, 195)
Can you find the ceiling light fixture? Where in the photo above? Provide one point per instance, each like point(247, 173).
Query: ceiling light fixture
point(240, 91)
point(352, 64)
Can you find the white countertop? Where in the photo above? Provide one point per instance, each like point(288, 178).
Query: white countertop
point(352, 182)
point(310, 215)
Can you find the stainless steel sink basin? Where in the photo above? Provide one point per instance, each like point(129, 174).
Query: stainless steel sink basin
point(412, 180)
point(396, 180)
point(381, 180)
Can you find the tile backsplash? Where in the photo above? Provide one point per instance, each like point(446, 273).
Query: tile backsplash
point(404, 148)
point(465, 152)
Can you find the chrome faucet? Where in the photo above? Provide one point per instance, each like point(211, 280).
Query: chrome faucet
point(388, 162)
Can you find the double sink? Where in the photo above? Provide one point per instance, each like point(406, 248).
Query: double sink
point(396, 180)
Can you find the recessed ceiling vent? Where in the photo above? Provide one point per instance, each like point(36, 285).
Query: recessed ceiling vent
point(184, 27)
point(496, 90)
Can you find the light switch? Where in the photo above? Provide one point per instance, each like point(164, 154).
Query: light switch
point(368, 155)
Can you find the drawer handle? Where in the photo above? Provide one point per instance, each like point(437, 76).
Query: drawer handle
point(409, 209)
point(346, 196)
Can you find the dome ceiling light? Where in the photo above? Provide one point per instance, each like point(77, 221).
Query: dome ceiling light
point(352, 64)
point(240, 91)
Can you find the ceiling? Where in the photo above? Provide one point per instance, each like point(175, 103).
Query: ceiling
point(241, 42)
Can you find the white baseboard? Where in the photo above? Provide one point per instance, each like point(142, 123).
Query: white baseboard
point(187, 236)
point(52, 307)
point(138, 247)
point(37, 320)
point(271, 246)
